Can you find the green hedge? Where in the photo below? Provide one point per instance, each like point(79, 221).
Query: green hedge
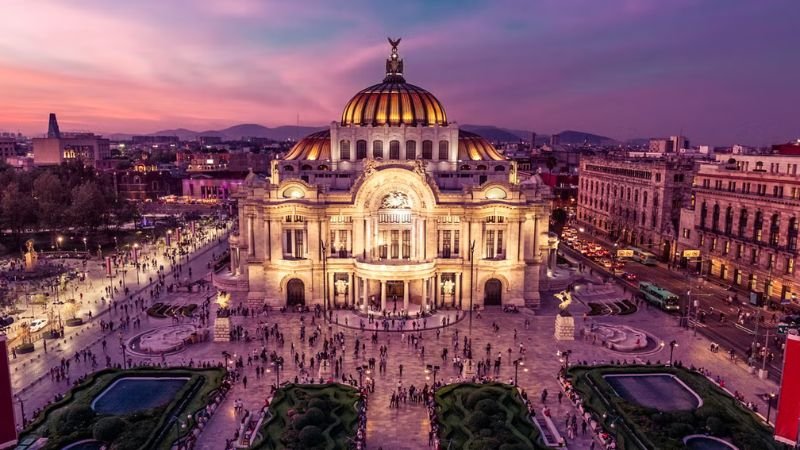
point(484, 416)
point(310, 417)
point(72, 419)
point(720, 415)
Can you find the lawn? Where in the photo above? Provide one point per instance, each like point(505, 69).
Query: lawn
point(636, 426)
point(484, 416)
point(310, 417)
point(73, 419)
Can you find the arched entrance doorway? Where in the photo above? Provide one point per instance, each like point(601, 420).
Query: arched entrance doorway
point(493, 295)
point(295, 293)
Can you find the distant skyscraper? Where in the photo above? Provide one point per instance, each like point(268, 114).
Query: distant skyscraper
point(554, 139)
point(52, 128)
point(533, 140)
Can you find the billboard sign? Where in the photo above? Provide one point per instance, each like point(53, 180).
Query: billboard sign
point(624, 253)
point(8, 430)
point(691, 253)
point(788, 417)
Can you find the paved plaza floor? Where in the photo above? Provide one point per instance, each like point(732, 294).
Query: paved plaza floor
point(405, 427)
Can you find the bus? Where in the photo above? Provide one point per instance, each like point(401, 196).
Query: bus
point(658, 296)
point(643, 257)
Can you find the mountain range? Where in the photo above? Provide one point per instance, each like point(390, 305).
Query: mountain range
point(292, 132)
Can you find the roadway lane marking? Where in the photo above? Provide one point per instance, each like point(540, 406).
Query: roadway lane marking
point(745, 329)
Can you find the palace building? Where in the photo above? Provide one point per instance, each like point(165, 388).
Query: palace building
point(392, 208)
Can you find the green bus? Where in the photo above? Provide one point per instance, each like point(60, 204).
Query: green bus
point(643, 257)
point(658, 296)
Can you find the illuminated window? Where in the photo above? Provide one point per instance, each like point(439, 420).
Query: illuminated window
point(427, 149)
point(344, 149)
point(377, 149)
point(411, 149)
point(394, 149)
point(444, 150)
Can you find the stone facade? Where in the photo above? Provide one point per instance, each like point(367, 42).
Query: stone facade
point(386, 216)
point(744, 221)
point(635, 201)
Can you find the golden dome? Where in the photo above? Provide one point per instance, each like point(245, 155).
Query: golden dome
point(473, 147)
point(314, 147)
point(394, 102)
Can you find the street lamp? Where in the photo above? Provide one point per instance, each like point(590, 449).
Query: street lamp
point(564, 357)
point(430, 368)
point(85, 245)
point(471, 286)
point(227, 356)
point(59, 240)
point(770, 397)
point(672, 344)
point(517, 362)
point(324, 280)
point(136, 261)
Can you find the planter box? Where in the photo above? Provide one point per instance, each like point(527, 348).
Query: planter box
point(76, 322)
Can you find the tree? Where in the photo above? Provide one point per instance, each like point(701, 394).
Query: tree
point(48, 191)
point(88, 205)
point(17, 210)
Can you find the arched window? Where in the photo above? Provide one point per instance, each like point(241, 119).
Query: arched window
point(758, 224)
point(344, 149)
point(481, 167)
point(703, 214)
point(499, 168)
point(427, 149)
point(774, 229)
point(791, 239)
point(729, 220)
point(465, 167)
point(444, 150)
point(322, 167)
point(742, 222)
point(715, 218)
point(644, 198)
point(361, 149)
point(306, 167)
point(377, 149)
point(394, 149)
point(288, 169)
point(411, 149)
point(636, 196)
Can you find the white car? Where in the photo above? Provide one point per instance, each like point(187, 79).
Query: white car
point(38, 325)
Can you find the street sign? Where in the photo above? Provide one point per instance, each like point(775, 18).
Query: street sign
point(624, 253)
point(691, 253)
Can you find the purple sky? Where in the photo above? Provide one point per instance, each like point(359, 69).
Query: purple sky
point(721, 72)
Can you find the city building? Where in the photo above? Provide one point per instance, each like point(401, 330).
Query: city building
point(742, 225)
point(60, 147)
point(393, 208)
point(8, 147)
point(672, 144)
point(145, 181)
point(634, 201)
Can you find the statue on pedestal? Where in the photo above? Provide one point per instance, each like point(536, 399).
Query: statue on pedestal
point(31, 257)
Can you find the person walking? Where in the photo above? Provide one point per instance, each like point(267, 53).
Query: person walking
point(544, 396)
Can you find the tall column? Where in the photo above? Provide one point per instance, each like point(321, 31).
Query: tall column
point(424, 293)
point(536, 239)
point(351, 298)
point(331, 287)
point(414, 237)
point(405, 295)
point(251, 237)
point(358, 237)
point(383, 295)
point(365, 294)
point(276, 240)
point(457, 291)
point(368, 238)
point(356, 291)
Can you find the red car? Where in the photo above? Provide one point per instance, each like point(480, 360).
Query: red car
point(629, 276)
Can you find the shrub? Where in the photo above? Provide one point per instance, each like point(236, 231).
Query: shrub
point(678, 430)
point(488, 406)
point(716, 426)
point(108, 428)
point(314, 416)
point(311, 436)
point(477, 421)
point(73, 418)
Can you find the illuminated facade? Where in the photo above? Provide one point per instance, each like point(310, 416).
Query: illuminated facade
point(384, 209)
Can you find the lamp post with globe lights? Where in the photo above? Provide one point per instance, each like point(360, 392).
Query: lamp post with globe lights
point(672, 344)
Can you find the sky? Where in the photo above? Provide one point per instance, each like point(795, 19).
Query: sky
point(718, 71)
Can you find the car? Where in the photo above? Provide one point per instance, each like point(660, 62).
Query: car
point(605, 262)
point(37, 325)
point(629, 276)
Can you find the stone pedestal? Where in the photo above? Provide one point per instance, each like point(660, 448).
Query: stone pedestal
point(565, 328)
point(469, 369)
point(222, 329)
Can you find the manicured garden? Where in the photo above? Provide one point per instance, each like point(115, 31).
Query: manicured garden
point(637, 426)
point(484, 416)
point(164, 310)
point(310, 417)
point(74, 418)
